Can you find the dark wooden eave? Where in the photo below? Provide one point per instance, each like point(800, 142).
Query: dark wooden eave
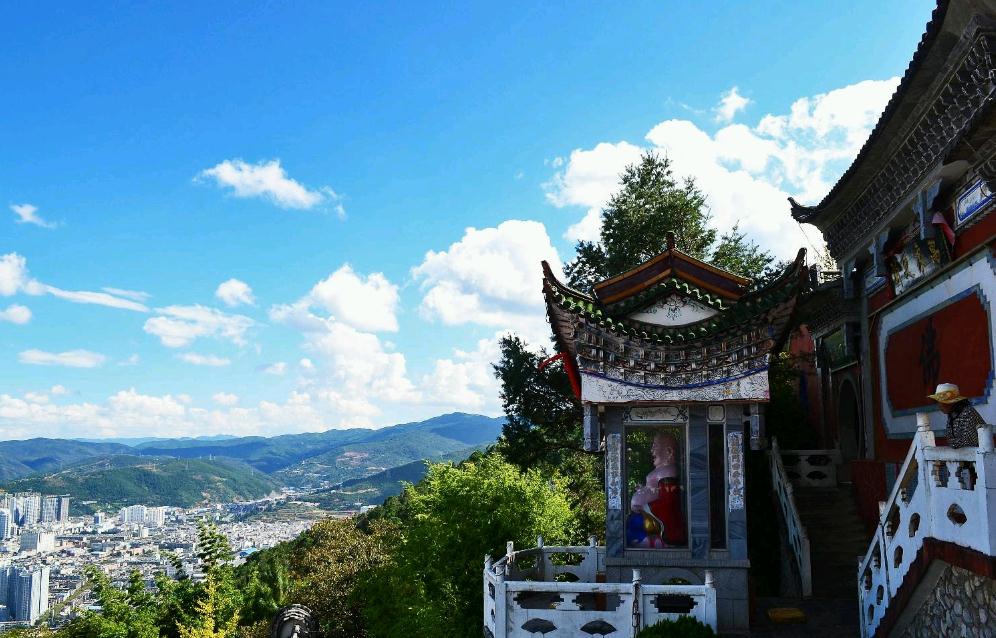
point(671, 263)
point(941, 112)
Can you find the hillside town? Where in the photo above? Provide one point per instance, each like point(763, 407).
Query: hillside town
point(42, 556)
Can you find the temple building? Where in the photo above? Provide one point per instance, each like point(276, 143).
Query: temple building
point(910, 224)
point(670, 361)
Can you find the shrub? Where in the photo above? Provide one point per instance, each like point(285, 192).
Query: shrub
point(684, 627)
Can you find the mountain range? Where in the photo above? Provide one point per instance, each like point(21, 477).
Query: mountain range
point(228, 468)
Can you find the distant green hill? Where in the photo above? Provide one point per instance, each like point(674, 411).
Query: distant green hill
point(119, 480)
point(306, 460)
point(373, 489)
point(340, 455)
point(21, 458)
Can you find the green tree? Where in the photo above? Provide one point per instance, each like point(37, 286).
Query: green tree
point(445, 525)
point(122, 614)
point(650, 203)
point(207, 624)
point(328, 567)
point(542, 430)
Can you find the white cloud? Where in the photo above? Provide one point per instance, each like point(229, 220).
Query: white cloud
point(36, 397)
point(365, 303)
point(179, 326)
point(133, 360)
point(729, 105)
point(14, 279)
point(96, 298)
point(16, 313)
point(58, 390)
point(204, 360)
point(747, 173)
point(589, 179)
point(28, 214)
point(234, 293)
point(490, 277)
point(349, 372)
point(277, 369)
point(70, 358)
point(135, 295)
point(226, 399)
point(14, 275)
point(268, 179)
point(466, 381)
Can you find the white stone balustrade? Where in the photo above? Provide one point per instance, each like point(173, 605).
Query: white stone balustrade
point(797, 538)
point(941, 493)
point(552, 591)
point(811, 468)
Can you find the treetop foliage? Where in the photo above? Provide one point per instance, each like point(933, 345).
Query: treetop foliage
point(635, 222)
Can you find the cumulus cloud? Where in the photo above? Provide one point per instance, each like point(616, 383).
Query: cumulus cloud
point(235, 293)
point(58, 390)
point(16, 313)
point(14, 275)
point(746, 172)
point(729, 105)
point(204, 359)
point(277, 369)
point(270, 181)
point(133, 360)
point(589, 178)
point(466, 380)
point(349, 370)
point(36, 397)
point(224, 398)
point(28, 214)
point(490, 277)
point(365, 302)
point(179, 326)
point(70, 358)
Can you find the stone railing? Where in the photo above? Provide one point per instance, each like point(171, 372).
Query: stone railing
point(797, 538)
point(941, 493)
point(811, 468)
point(552, 591)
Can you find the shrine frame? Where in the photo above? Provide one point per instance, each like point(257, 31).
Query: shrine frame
point(686, 459)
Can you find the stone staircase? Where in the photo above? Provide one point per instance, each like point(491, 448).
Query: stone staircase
point(837, 537)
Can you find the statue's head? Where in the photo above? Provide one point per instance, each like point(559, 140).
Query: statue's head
point(664, 450)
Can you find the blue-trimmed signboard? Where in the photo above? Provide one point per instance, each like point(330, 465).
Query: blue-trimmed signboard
point(974, 199)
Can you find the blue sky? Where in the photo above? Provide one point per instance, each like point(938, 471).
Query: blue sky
point(330, 158)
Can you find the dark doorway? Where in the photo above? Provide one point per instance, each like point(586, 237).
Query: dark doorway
point(849, 430)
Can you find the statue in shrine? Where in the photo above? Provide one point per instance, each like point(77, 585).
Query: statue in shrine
point(657, 517)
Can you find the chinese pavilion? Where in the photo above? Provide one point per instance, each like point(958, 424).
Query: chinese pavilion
point(670, 361)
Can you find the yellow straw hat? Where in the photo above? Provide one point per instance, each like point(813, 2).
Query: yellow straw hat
point(946, 393)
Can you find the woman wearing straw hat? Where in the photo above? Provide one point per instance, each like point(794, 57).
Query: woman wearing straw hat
point(963, 420)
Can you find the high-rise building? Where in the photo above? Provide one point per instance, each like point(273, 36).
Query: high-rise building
point(27, 508)
point(99, 519)
point(37, 541)
point(6, 524)
point(62, 510)
point(155, 516)
point(49, 509)
point(132, 514)
point(27, 593)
